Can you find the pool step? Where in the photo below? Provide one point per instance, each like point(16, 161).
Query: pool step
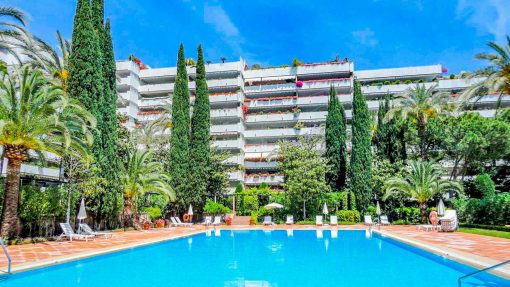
point(241, 220)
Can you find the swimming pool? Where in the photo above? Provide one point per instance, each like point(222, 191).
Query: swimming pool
point(261, 258)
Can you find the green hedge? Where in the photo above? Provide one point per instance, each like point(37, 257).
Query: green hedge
point(489, 227)
point(348, 216)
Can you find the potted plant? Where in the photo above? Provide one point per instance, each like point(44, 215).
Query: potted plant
point(146, 225)
point(160, 223)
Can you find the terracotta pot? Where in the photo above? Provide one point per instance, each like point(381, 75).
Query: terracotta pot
point(146, 226)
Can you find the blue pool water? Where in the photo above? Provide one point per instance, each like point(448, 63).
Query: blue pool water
point(261, 258)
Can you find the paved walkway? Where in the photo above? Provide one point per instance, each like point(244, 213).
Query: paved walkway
point(29, 255)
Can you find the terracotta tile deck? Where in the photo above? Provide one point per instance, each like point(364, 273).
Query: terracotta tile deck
point(490, 248)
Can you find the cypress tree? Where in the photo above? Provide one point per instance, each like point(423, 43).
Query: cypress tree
point(388, 136)
point(200, 137)
point(85, 78)
point(179, 140)
point(336, 150)
point(361, 154)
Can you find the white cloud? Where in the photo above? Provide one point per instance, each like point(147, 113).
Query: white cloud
point(219, 19)
point(366, 37)
point(490, 16)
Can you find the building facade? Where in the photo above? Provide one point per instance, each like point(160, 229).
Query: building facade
point(253, 109)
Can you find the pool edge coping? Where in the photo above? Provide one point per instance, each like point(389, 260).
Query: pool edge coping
point(475, 261)
point(89, 254)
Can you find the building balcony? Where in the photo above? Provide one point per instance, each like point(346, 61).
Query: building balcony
point(279, 102)
point(130, 111)
point(229, 144)
point(33, 170)
point(282, 133)
point(159, 88)
point(457, 84)
point(236, 176)
point(234, 160)
point(342, 85)
point(271, 73)
point(227, 129)
point(147, 103)
point(224, 83)
point(127, 82)
point(271, 179)
point(289, 117)
point(391, 89)
point(485, 113)
point(225, 98)
point(261, 165)
point(259, 148)
point(125, 66)
point(149, 116)
point(230, 68)
point(411, 73)
point(327, 68)
point(129, 96)
point(227, 113)
point(270, 89)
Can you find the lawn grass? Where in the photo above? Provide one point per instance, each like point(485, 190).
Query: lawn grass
point(494, 233)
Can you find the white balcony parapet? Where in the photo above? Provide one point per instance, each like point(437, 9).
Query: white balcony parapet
point(129, 81)
point(130, 111)
point(226, 129)
point(236, 159)
point(272, 103)
point(126, 66)
point(396, 73)
point(223, 98)
point(391, 89)
point(155, 102)
point(209, 69)
point(258, 179)
point(229, 82)
point(228, 144)
point(236, 176)
point(460, 84)
point(227, 113)
point(257, 75)
point(326, 84)
point(261, 164)
point(305, 117)
point(282, 133)
point(270, 88)
point(130, 96)
point(486, 113)
point(34, 170)
point(325, 68)
point(259, 148)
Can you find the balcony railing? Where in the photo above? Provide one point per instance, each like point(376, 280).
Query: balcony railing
point(282, 133)
point(325, 68)
point(227, 113)
point(226, 129)
point(270, 88)
point(229, 144)
point(327, 84)
point(289, 117)
point(236, 159)
point(222, 98)
point(155, 102)
point(258, 179)
point(236, 176)
point(259, 148)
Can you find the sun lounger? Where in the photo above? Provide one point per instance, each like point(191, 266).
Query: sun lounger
point(183, 223)
point(68, 232)
point(175, 222)
point(208, 220)
point(367, 219)
point(290, 219)
point(85, 229)
point(333, 220)
point(384, 220)
point(318, 220)
point(217, 220)
point(267, 220)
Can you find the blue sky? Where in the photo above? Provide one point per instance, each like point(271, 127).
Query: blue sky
point(373, 33)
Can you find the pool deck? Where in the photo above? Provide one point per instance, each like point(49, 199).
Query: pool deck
point(472, 249)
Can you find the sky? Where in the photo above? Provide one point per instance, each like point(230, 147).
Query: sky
point(372, 33)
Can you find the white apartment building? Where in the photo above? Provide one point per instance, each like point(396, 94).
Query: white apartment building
point(251, 110)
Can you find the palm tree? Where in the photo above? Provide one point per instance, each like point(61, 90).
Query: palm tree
point(12, 22)
point(36, 116)
point(497, 75)
point(140, 176)
point(419, 104)
point(422, 183)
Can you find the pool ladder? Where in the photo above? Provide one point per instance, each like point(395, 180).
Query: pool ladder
point(8, 258)
point(459, 281)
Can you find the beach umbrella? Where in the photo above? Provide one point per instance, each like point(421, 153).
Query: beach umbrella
point(325, 210)
point(82, 213)
point(273, 205)
point(440, 208)
point(378, 209)
point(190, 212)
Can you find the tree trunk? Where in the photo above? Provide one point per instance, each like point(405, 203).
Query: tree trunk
point(11, 199)
point(421, 135)
point(423, 212)
point(304, 209)
point(127, 213)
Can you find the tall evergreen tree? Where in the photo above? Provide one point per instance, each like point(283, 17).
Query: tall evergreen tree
point(336, 149)
point(200, 137)
point(388, 139)
point(179, 141)
point(85, 79)
point(361, 154)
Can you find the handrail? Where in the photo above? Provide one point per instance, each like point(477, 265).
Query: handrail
point(459, 281)
point(7, 255)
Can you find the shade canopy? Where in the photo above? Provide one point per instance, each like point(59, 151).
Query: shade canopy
point(82, 213)
point(378, 209)
point(325, 209)
point(190, 210)
point(273, 205)
point(440, 208)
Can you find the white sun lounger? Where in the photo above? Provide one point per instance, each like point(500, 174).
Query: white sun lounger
point(449, 221)
point(318, 220)
point(217, 220)
point(267, 220)
point(368, 220)
point(208, 220)
point(183, 223)
point(333, 220)
point(85, 229)
point(175, 223)
point(384, 220)
point(68, 232)
point(290, 220)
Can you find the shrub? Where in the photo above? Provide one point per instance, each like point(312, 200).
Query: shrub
point(214, 208)
point(408, 82)
point(153, 212)
point(408, 215)
point(484, 185)
point(397, 82)
point(306, 222)
point(453, 76)
point(492, 210)
point(387, 82)
point(348, 215)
